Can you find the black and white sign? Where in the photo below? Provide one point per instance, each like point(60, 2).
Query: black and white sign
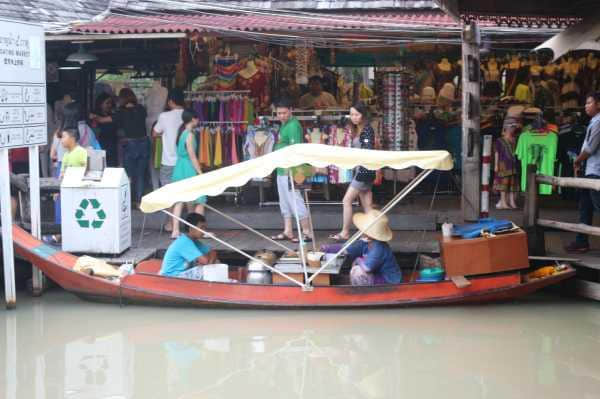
point(22, 85)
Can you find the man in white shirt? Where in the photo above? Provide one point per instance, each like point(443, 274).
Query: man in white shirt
point(167, 127)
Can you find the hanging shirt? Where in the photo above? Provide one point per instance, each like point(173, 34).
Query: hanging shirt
point(538, 149)
point(590, 145)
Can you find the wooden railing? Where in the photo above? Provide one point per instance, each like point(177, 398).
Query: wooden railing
point(531, 211)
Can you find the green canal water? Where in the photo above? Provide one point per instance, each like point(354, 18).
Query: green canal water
point(59, 346)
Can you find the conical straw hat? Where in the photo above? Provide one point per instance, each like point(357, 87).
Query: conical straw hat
point(380, 231)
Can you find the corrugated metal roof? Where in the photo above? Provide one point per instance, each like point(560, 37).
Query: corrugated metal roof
point(52, 12)
point(383, 21)
point(143, 5)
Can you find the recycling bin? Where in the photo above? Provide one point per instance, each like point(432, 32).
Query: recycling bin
point(96, 212)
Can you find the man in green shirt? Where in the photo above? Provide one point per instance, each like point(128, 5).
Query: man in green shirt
point(289, 202)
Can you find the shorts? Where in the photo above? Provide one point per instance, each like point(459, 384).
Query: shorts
point(164, 174)
point(287, 199)
point(361, 185)
point(194, 273)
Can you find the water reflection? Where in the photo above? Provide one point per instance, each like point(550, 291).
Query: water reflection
point(61, 347)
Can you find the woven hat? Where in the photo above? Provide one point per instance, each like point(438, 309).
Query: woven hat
point(380, 231)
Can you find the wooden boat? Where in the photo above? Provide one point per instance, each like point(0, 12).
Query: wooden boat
point(147, 286)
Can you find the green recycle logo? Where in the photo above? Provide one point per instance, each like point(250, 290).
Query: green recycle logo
point(99, 215)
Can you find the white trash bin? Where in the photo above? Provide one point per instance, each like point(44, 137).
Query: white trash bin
point(96, 214)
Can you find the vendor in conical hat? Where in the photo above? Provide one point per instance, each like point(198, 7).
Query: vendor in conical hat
point(372, 257)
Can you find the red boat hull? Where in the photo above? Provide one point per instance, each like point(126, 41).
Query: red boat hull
point(151, 288)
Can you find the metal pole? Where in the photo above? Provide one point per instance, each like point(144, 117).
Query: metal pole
point(385, 209)
point(300, 232)
point(239, 251)
point(36, 220)
point(471, 140)
point(231, 219)
point(7, 238)
point(485, 176)
point(310, 222)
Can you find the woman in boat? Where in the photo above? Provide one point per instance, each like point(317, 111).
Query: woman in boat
point(373, 259)
point(363, 136)
point(187, 164)
point(187, 251)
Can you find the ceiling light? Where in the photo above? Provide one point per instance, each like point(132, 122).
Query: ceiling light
point(81, 56)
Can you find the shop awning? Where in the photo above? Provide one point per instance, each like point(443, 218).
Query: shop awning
point(583, 36)
point(263, 22)
point(319, 155)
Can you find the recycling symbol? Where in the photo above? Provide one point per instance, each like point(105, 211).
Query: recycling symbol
point(81, 215)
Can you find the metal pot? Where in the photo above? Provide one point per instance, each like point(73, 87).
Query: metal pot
point(258, 274)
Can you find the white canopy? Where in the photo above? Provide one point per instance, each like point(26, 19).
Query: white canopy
point(319, 155)
point(583, 36)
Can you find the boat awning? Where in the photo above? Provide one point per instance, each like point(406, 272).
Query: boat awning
point(583, 36)
point(319, 155)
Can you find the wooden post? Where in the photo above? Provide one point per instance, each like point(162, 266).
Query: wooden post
point(530, 214)
point(36, 220)
point(535, 234)
point(7, 239)
point(471, 140)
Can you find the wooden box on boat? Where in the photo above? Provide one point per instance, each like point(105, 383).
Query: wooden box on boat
point(466, 257)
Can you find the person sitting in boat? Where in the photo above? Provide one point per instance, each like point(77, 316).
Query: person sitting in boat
point(372, 258)
point(186, 255)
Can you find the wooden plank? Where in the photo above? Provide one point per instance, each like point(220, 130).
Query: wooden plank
point(531, 210)
point(574, 227)
point(573, 182)
point(460, 281)
point(586, 289)
point(557, 258)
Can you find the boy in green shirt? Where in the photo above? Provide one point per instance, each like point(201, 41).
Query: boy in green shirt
point(290, 133)
point(75, 155)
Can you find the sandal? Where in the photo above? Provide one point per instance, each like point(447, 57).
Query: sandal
point(296, 240)
point(282, 237)
point(338, 237)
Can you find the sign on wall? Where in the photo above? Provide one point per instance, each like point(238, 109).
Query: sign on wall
point(22, 85)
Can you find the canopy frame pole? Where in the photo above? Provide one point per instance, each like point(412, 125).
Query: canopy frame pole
point(239, 223)
point(403, 193)
point(239, 251)
point(300, 232)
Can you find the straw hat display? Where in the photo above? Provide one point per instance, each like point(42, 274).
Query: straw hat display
point(380, 231)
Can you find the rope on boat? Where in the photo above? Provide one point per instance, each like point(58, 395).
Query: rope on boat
point(239, 251)
point(232, 219)
point(403, 193)
point(433, 196)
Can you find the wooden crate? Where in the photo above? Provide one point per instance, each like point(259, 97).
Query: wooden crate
point(321, 279)
point(466, 257)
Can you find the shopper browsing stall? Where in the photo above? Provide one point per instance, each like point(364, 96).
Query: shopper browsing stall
point(506, 179)
point(361, 185)
point(289, 201)
point(589, 200)
point(187, 165)
point(131, 118)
